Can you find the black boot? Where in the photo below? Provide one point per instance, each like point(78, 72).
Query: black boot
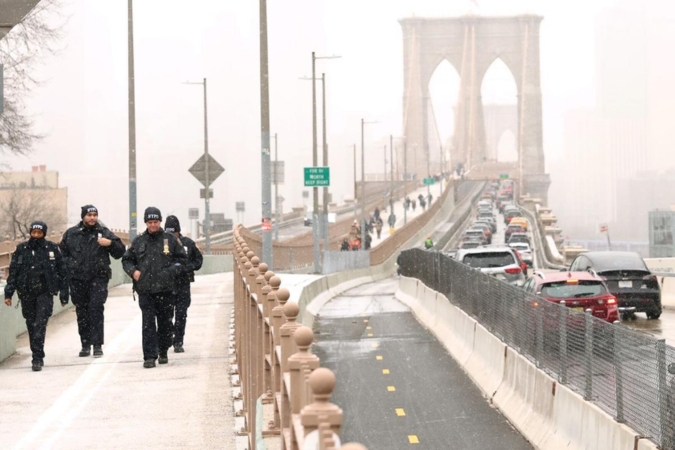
point(36, 365)
point(178, 348)
point(149, 363)
point(86, 350)
point(98, 351)
point(163, 358)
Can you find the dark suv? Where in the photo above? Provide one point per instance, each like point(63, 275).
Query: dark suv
point(627, 278)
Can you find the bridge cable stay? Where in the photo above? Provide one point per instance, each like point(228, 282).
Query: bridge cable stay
point(522, 108)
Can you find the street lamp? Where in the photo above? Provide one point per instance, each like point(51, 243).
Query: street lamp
point(315, 161)
point(363, 186)
point(133, 217)
point(405, 175)
point(207, 184)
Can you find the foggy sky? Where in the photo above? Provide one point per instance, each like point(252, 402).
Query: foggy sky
point(82, 105)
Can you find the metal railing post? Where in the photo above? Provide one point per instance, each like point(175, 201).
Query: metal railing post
point(618, 371)
point(562, 372)
point(663, 388)
point(540, 334)
point(588, 391)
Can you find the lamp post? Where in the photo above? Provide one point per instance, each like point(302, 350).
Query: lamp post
point(354, 181)
point(363, 185)
point(266, 185)
point(207, 209)
point(276, 190)
point(405, 173)
point(133, 216)
point(315, 161)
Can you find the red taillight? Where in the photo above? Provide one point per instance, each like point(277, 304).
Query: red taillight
point(611, 301)
point(513, 270)
point(651, 278)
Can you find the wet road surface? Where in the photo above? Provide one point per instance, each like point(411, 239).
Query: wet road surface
point(398, 384)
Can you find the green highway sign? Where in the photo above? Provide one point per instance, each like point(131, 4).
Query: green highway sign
point(504, 176)
point(317, 176)
point(429, 181)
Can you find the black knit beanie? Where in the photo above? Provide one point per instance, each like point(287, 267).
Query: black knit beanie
point(86, 209)
point(152, 213)
point(172, 224)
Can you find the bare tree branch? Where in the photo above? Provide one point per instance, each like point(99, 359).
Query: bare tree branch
point(23, 206)
point(21, 51)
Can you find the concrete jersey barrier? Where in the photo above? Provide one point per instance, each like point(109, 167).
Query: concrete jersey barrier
point(551, 416)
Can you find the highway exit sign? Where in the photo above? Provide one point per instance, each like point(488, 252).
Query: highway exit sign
point(317, 176)
point(429, 181)
point(504, 176)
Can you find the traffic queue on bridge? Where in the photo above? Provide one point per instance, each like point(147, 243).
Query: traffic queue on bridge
point(608, 285)
point(161, 263)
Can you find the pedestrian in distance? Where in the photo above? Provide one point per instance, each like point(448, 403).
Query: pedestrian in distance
point(378, 227)
point(37, 274)
point(368, 242)
point(428, 243)
point(414, 204)
point(355, 244)
point(406, 203)
point(376, 214)
point(86, 249)
point(154, 261)
point(182, 299)
point(429, 198)
point(344, 247)
point(392, 222)
point(423, 204)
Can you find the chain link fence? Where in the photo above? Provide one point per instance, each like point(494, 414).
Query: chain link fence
point(622, 371)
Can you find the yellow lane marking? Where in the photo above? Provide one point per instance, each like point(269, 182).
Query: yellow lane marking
point(391, 388)
point(400, 412)
point(379, 358)
point(413, 439)
point(365, 320)
point(375, 345)
point(369, 328)
point(370, 334)
point(385, 371)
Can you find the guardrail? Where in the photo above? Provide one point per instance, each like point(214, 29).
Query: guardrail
point(622, 371)
point(276, 372)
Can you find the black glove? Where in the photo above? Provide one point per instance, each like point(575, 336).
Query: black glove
point(64, 298)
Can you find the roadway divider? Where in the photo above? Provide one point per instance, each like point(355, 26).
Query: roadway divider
point(550, 415)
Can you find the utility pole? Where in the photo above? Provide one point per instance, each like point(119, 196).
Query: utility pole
point(267, 255)
point(207, 200)
point(315, 163)
point(405, 178)
point(426, 148)
point(325, 163)
point(442, 170)
point(276, 189)
point(133, 216)
point(363, 191)
point(355, 197)
point(391, 173)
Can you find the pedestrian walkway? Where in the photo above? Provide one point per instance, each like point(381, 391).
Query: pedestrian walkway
point(398, 210)
point(113, 402)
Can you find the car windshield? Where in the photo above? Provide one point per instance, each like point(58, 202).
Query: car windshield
point(563, 289)
point(521, 247)
point(489, 260)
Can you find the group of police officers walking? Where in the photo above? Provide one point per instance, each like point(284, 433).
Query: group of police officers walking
point(161, 263)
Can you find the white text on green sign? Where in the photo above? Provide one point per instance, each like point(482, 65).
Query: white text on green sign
point(317, 176)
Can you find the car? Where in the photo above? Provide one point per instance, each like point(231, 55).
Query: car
point(484, 203)
point(474, 234)
point(512, 229)
point(471, 243)
point(519, 221)
point(627, 278)
point(308, 220)
point(511, 214)
point(490, 221)
point(499, 261)
point(580, 291)
point(525, 252)
point(519, 237)
point(485, 228)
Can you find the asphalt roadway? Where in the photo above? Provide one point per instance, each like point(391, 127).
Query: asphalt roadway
point(113, 402)
point(398, 385)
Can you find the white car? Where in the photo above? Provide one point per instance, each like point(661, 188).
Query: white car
point(525, 252)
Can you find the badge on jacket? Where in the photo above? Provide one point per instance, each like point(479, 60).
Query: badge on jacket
point(166, 246)
point(185, 248)
point(51, 255)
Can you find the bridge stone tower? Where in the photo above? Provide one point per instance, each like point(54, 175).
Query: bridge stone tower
point(471, 44)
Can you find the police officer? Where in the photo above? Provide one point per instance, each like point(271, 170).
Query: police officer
point(155, 260)
point(36, 274)
point(182, 297)
point(87, 248)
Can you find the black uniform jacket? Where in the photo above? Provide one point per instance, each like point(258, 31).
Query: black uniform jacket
point(194, 262)
point(159, 257)
point(84, 257)
point(46, 258)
